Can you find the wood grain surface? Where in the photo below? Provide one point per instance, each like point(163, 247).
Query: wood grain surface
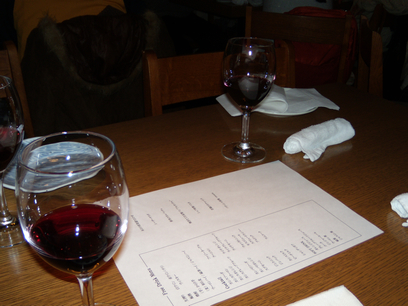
point(365, 173)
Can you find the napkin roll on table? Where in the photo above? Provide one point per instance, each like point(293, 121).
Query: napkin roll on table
point(314, 140)
point(399, 204)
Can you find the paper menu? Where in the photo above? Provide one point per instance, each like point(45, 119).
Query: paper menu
point(206, 241)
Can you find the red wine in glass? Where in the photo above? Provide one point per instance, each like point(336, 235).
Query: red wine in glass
point(249, 70)
point(10, 140)
point(73, 202)
point(11, 136)
point(247, 91)
point(78, 238)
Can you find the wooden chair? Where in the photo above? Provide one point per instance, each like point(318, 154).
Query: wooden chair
point(10, 67)
point(184, 78)
point(320, 30)
point(378, 18)
point(370, 60)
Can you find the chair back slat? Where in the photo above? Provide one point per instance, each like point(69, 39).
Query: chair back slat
point(302, 29)
point(370, 63)
point(184, 78)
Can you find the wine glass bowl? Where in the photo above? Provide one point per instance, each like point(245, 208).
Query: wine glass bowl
point(72, 201)
point(11, 136)
point(249, 70)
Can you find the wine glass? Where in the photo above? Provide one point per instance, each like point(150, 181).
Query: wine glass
point(249, 70)
point(73, 202)
point(11, 136)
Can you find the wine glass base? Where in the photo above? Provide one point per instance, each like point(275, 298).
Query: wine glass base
point(10, 235)
point(253, 153)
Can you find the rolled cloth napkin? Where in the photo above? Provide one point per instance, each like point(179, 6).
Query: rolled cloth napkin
point(400, 205)
point(315, 139)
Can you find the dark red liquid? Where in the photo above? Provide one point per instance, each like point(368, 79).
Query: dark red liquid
point(247, 91)
point(77, 239)
point(10, 140)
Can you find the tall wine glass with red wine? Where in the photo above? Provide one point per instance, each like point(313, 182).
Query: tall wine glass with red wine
point(11, 136)
point(249, 70)
point(73, 202)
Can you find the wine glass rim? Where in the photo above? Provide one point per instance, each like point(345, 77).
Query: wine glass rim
point(266, 41)
point(40, 139)
point(8, 80)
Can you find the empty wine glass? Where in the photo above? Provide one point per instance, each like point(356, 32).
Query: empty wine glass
point(249, 70)
point(73, 202)
point(11, 136)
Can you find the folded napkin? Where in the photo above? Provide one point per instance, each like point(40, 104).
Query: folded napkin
point(338, 296)
point(283, 101)
point(316, 138)
point(400, 205)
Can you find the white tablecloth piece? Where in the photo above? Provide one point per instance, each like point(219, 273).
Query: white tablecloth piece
point(338, 296)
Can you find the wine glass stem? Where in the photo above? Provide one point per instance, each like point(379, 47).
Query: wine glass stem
point(5, 217)
point(85, 285)
point(245, 128)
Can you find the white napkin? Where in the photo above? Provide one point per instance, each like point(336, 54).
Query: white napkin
point(283, 101)
point(400, 205)
point(315, 139)
point(338, 296)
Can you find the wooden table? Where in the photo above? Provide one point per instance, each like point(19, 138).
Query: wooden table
point(365, 173)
